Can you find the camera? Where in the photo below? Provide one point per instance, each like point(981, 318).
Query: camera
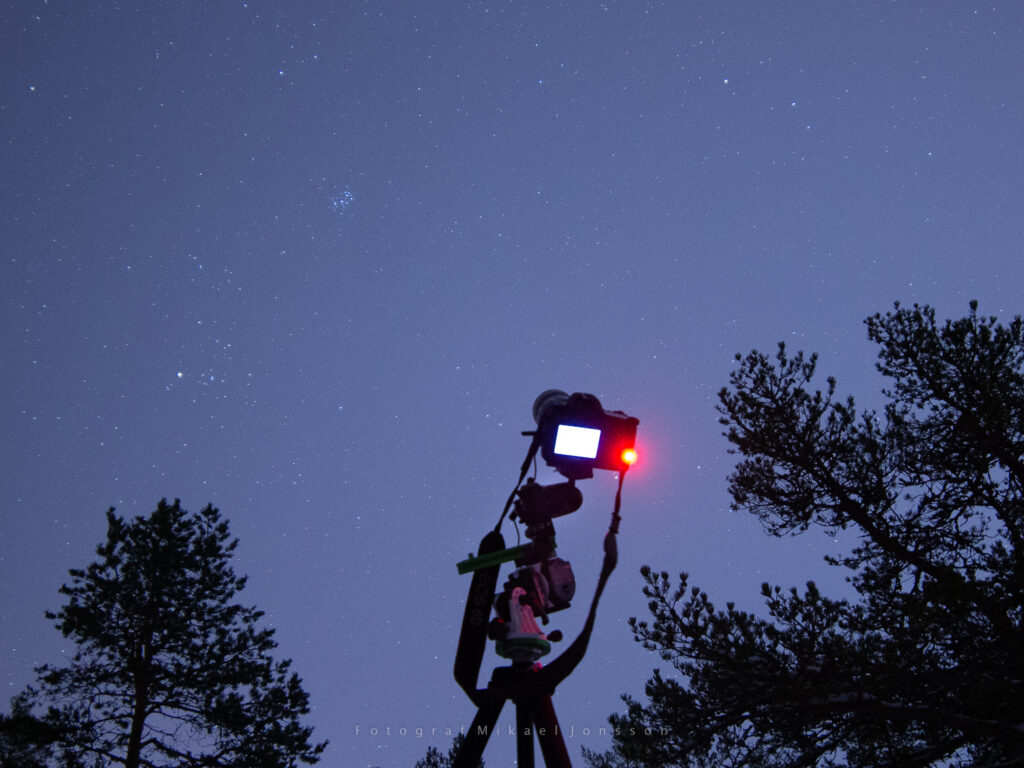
point(577, 435)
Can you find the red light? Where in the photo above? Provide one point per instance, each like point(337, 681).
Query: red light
point(628, 456)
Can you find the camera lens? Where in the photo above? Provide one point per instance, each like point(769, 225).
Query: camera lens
point(551, 398)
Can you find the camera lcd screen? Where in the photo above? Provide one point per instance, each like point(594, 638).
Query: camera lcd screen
point(577, 441)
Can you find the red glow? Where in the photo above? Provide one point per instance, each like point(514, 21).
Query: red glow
point(629, 456)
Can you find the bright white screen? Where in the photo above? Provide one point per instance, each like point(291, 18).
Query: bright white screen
point(577, 441)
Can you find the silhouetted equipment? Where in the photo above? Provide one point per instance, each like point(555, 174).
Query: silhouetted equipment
point(575, 435)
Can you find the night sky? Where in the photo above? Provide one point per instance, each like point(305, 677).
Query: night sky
point(311, 262)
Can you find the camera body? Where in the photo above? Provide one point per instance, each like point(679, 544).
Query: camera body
point(577, 435)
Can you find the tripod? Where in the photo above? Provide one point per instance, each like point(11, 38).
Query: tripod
point(535, 714)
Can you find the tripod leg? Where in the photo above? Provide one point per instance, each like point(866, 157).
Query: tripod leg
point(524, 736)
point(479, 732)
point(552, 745)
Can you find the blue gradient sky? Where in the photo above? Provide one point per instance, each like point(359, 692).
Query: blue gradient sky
point(312, 262)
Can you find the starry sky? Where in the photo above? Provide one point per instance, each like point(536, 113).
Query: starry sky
point(312, 262)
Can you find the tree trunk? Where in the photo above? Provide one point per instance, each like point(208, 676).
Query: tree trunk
point(139, 707)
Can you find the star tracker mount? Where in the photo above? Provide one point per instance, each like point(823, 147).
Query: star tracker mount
point(575, 435)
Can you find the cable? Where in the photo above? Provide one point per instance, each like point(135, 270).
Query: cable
point(531, 454)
